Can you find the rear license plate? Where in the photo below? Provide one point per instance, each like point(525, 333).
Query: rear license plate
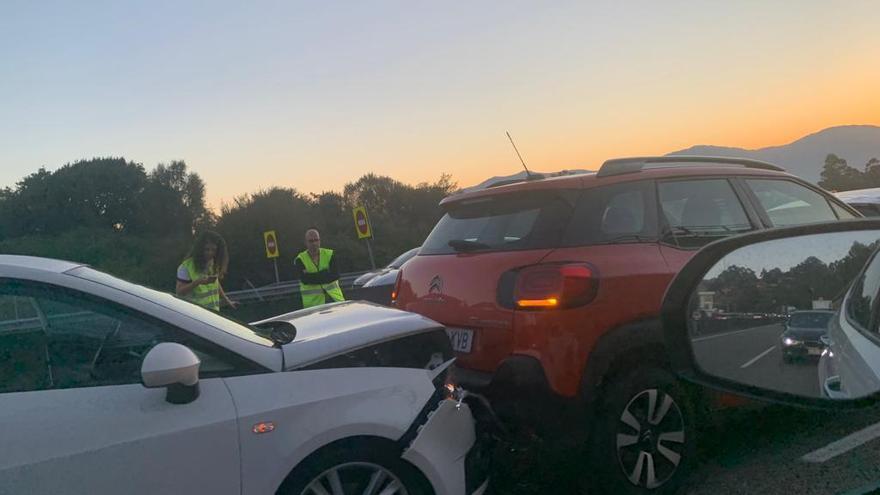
point(462, 339)
point(814, 351)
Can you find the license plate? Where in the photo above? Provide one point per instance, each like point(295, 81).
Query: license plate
point(462, 339)
point(813, 351)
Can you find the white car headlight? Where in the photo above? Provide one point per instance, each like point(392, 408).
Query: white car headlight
point(788, 341)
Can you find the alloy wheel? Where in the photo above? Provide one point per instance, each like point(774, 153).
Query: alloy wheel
point(650, 439)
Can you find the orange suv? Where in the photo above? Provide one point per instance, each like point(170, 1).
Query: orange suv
point(556, 284)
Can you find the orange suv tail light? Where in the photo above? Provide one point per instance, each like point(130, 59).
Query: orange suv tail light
point(396, 290)
point(548, 286)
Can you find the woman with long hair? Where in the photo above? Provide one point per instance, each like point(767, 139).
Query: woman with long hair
point(198, 277)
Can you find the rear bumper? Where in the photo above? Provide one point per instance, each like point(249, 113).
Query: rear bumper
point(447, 451)
point(521, 372)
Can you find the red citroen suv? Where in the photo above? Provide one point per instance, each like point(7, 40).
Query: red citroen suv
point(556, 284)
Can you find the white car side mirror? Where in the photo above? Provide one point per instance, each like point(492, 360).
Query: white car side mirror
point(175, 367)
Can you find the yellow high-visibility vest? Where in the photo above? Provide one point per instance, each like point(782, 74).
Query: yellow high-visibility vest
point(315, 294)
point(205, 295)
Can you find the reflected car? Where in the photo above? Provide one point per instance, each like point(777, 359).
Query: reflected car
point(850, 367)
point(386, 275)
point(803, 334)
point(107, 386)
point(867, 201)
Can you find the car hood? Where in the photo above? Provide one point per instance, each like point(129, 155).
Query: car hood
point(805, 333)
point(387, 277)
point(332, 329)
point(366, 277)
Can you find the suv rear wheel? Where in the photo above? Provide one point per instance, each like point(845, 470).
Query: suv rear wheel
point(643, 434)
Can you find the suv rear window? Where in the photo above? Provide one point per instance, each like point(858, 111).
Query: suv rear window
point(501, 223)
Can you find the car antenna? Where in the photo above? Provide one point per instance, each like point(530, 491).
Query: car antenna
point(528, 173)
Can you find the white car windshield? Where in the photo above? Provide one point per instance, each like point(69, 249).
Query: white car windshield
point(173, 303)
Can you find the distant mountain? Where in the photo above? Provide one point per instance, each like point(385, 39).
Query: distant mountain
point(805, 157)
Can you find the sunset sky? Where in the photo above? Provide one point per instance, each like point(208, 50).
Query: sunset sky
point(312, 95)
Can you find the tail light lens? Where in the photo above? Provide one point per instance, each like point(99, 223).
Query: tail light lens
point(396, 290)
point(551, 286)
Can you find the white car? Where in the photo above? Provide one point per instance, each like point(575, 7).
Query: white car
point(867, 201)
point(850, 366)
point(110, 387)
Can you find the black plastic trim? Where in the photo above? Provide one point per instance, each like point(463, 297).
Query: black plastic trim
point(674, 314)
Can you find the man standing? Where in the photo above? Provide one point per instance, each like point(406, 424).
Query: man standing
point(317, 272)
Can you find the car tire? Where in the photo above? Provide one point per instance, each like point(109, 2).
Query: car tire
point(355, 464)
point(635, 449)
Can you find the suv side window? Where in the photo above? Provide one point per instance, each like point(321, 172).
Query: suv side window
point(618, 213)
point(861, 306)
point(700, 211)
point(788, 203)
point(53, 338)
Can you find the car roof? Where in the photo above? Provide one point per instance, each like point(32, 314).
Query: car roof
point(860, 196)
point(37, 263)
point(594, 179)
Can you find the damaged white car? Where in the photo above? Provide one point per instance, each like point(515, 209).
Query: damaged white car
point(110, 387)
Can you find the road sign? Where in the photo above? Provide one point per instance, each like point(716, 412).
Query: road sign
point(362, 223)
point(271, 244)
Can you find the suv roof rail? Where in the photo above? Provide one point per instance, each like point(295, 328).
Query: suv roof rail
point(619, 166)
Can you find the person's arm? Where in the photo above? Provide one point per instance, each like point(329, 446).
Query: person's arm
point(185, 286)
point(329, 275)
point(299, 272)
point(229, 302)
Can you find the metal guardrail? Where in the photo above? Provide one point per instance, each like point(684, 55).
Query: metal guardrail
point(282, 289)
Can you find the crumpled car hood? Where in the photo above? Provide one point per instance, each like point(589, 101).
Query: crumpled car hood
point(333, 329)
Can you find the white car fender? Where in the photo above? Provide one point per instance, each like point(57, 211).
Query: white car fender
point(443, 442)
point(311, 409)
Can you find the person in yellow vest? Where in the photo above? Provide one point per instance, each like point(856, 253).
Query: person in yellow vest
point(317, 272)
point(198, 277)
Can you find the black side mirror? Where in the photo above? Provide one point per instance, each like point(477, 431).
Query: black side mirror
point(280, 332)
point(786, 315)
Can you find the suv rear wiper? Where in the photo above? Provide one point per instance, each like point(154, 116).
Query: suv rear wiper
point(628, 238)
point(466, 246)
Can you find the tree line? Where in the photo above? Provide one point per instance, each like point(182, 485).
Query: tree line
point(137, 224)
point(741, 289)
point(838, 176)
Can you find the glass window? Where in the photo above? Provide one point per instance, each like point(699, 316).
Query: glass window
point(60, 339)
point(500, 223)
point(403, 258)
point(619, 213)
point(174, 303)
point(868, 210)
point(810, 319)
point(788, 203)
point(862, 302)
point(700, 211)
point(841, 212)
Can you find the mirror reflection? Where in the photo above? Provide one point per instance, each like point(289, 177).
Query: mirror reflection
point(796, 315)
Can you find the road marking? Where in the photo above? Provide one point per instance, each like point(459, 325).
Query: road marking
point(759, 356)
point(843, 445)
point(709, 337)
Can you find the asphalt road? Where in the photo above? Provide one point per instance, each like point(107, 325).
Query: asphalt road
point(747, 450)
point(754, 356)
point(753, 449)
